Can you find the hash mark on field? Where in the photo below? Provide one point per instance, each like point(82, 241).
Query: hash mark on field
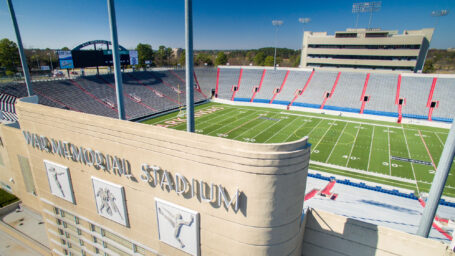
point(353, 144)
point(412, 165)
point(390, 153)
point(336, 143)
point(330, 127)
point(371, 149)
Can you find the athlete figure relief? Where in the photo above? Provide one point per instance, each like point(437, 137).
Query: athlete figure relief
point(54, 174)
point(176, 222)
point(108, 202)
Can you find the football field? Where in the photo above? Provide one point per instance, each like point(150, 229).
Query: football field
point(400, 155)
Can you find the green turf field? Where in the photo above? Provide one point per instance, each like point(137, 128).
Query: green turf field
point(370, 150)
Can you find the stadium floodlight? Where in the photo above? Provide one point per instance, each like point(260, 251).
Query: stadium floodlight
point(304, 20)
point(277, 24)
point(440, 13)
point(437, 14)
point(366, 7)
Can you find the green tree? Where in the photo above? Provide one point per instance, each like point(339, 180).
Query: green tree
point(144, 52)
point(182, 58)
point(168, 53)
point(160, 56)
point(9, 55)
point(203, 58)
point(259, 59)
point(221, 59)
point(268, 61)
point(65, 49)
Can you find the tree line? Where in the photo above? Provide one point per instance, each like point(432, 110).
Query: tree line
point(162, 57)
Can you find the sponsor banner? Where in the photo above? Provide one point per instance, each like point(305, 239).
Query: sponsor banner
point(45, 68)
point(134, 60)
point(65, 59)
point(411, 160)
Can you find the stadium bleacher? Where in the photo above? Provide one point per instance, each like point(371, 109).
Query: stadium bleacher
point(273, 79)
point(148, 93)
point(348, 92)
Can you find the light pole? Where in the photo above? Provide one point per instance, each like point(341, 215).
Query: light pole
point(277, 24)
point(50, 60)
point(366, 7)
point(303, 21)
point(437, 15)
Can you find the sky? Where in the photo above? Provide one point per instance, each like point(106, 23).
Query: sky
point(218, 24)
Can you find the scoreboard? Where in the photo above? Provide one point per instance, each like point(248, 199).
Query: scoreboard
point(93, 58)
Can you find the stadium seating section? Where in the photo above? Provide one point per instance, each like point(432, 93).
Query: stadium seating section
point(152, 92)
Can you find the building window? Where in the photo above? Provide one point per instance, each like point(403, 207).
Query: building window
point(67, 235)
point(55, 210)
point(64, 224)
point(62, 213)
point(59, 222)
point(81, 242)
point(97, 251)
point(83, 253)
point(63, 241)
point(76, 220)
point(102, 232)
point(69, 245)
point(27, 174)
point(92, 227)
point(79, 232)
point(94, 239)
point(104, 244)
point(65, 251)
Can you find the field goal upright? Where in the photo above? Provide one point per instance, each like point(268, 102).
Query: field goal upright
point(182, 109)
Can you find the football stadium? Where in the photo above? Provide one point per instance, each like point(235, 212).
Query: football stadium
point(348, 154)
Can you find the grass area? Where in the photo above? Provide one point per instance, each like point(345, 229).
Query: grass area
point(6, 198)
point(394, 150)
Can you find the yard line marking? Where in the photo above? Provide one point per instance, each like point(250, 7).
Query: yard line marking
point(292, 133)
point(173, 117)
point(371, 149)
point(223, 120)
point(277, 132)
point(240, 126)
point(322, 138)
point(412, 165)
point(353, 144)
point(210, 119)
point(264, 120)
point(442, 143)
point(336, 143)
point(428, 151)
point(314, 127)
point(268, 128)
point(390, 153)
point(354, 122)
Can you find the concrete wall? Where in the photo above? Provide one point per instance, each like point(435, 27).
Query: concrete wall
point(270, 177)
point(327, 234)
point(13, 145)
